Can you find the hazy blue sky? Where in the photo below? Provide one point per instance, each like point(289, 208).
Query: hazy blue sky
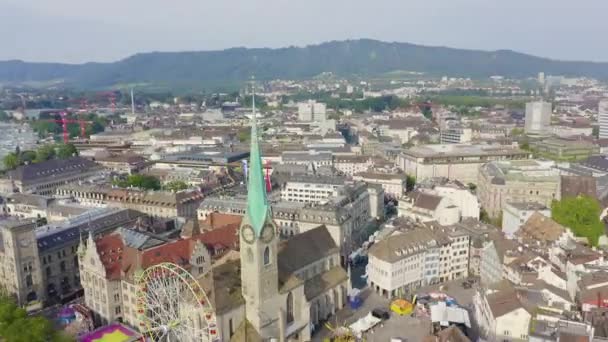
point(85, 30)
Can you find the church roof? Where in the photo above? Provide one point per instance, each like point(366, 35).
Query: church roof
point(322, 282)
point(223, 286)
point(304, 249)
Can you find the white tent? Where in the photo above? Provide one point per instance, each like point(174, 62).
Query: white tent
point(364, 324)
point(445, 315)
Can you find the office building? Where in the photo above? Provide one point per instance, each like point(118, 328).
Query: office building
point(456, 136)
point(538, 117)
point(312, 111)
point(45, 177)
point(454, 161)
point(517, 181)
point(602, 118)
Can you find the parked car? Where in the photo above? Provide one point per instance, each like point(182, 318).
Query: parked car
point(381, 313)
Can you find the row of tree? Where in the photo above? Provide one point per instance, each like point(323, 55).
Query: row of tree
point(17, 326)
point(43, 153)
point(148, 182)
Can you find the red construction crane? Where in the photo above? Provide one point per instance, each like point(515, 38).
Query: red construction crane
point(64, 121)
point(110, 96)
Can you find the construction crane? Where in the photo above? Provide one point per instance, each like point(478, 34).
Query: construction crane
point(64, 121)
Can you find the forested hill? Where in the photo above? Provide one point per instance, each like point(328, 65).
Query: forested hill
point(343, 58)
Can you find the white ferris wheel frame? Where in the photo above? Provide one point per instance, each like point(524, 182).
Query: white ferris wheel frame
point(158, 321)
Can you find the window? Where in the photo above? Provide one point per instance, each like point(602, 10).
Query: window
point(200, 260)
point(266, 256)
point(249, 255)
point(289, 308)
point(116, 297)
point(62, 266)
point(117, 310)
point(48, 271)
point(230, 327)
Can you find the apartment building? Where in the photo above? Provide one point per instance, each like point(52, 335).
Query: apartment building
point(315, 158)
point(517, 181)
point(454, 161)
point(351, 165)
point(516, 214)
point(456, 136)
point(415, 256)
point(154, 203)
point(45, 177)
point(424, 207)
point(460, 195)
point(311, 188)
point(393, 184)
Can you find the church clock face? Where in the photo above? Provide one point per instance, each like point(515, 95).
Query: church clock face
point(248, 234)
point(268, 233)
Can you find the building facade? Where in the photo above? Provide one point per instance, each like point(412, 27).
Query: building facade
point(517, 181)
point(44, 178)
point(154, 203)
point(538, 117)
point(40, 262)
point(602, 118)
point(454, 161)
point(415, 257)
point(516, 214)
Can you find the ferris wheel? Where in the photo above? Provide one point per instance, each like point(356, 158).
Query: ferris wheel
point(173, 307)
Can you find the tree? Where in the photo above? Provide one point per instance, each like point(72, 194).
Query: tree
point(4, 116)
point(139, 181)
point(45, 153)
point(66, 151)
point(11, 161)
point(427, 112)
point(17, 326)
point(28, 156)
point(244, 135)
point(581, 214)
point(44, 128)
point(176, 185)
point(410, 182)
point(517, 132)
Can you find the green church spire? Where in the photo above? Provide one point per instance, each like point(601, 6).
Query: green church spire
point(257, 203)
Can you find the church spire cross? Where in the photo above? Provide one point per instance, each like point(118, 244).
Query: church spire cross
point(257, 203)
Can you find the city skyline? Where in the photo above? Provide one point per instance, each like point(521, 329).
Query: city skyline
point(111, 31)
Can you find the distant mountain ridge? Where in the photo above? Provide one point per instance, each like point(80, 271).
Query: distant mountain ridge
point(363, 57)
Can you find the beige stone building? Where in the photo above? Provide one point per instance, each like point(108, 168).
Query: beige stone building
point(393, 184)
point(40, 264)
point(454, 161)
point(517, 181)
point(108, 268)
point(43, 178)
point(153, 203)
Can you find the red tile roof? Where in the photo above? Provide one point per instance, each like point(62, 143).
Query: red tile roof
point(110, 249)
point(224, 238)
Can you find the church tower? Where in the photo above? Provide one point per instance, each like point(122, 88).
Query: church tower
point(259, 247)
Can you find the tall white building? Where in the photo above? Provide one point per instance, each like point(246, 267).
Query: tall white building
point(312, 111)
point(538, 117)
point(602, 118)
